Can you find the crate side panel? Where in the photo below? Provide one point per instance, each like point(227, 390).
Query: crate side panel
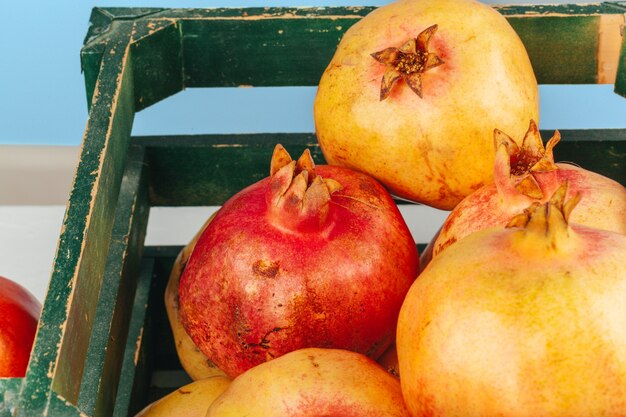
point(256, 13)
point(83, 302)
point(167, 372)
point(157, 61)
point(562, 49)
point(106, 347)
point(207, 170)
point(137, 362)
point(263, 52)
point(599, 150)
point(63, 332)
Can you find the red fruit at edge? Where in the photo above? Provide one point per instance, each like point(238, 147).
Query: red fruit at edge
point(313, 256)
point(19, 315)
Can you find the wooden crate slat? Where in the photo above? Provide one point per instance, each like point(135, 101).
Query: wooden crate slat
point(157, 61)
point(230, 53)
point(203, 170)
point(230, 47)
point(106, 347)
point(136, 362)
point(562, 49)
point(209, 169)
point(64, 327)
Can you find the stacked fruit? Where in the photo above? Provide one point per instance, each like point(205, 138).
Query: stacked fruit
point(303, 280)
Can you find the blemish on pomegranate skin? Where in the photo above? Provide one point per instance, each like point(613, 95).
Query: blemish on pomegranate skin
point(368, 188)
point(266, 269)
point(312, 359)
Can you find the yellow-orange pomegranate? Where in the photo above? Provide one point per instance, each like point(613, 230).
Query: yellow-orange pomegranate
point(526, 174)
point(191, 400)
point(414, 91)
point(313, 382)
point(526, 320)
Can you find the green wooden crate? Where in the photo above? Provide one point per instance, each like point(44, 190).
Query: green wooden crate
point(103, 342)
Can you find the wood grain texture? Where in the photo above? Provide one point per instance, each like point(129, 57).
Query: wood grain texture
point(110, 328)
point(208, 169)
point(60, 347)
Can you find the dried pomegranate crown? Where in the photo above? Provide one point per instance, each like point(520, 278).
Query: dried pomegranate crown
point(408, 62)
point(549, 220)
point(296, 190)
point(557, 206)
point(519, 164)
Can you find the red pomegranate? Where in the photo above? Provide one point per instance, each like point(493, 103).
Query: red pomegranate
point(19, 315)
point(312, 256)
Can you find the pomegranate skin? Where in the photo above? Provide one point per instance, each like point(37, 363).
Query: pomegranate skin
point(258, 285)
point(602, 206)
point(509, 323)
point(528, 174)
point(438, 148)
point(313, 382)
point(19, 315)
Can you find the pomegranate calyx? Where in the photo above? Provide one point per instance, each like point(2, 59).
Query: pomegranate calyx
point(549, 220)
point(408, 62)
point(280, 158)
point(516, 166)
point(297, 196)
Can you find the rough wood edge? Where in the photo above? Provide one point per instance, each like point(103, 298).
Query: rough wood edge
point(609, 46)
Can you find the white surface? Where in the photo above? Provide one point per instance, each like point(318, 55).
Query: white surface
point(34, 175)
point(29, 235)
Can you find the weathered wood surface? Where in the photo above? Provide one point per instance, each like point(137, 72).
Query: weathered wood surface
point(209, 169)
point(231, 47)
point(110, 326)
point(136, 361)
point(58, 356)
point(9, 390)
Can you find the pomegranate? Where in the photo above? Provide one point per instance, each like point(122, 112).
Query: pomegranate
point(312, 256)
point(193, 361)
point(389, 361)
point(191, 400)
point(19, 315)
point(526, 174)
point(313, 382)
point(526, 320)
point(414, 91)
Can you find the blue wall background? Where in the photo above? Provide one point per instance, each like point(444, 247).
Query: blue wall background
point(42, 98)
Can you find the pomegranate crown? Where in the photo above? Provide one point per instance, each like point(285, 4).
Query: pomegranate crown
point(297, 194)
point(550, 220)
point(516, 166)
point(408, 62)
